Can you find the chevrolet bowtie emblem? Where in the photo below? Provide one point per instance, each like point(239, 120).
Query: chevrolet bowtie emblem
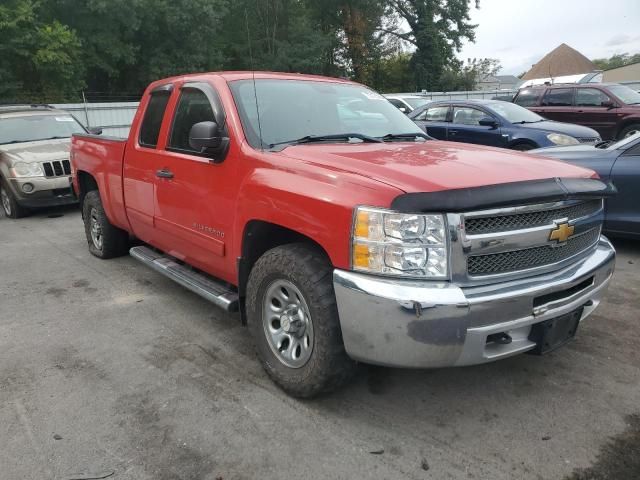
point(561, 233)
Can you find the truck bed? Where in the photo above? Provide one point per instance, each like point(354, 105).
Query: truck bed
point(103, 157)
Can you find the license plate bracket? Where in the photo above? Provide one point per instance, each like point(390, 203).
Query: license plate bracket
point(555, 332)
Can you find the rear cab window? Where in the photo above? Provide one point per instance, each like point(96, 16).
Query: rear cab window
point(152, 120)
point(558, 97)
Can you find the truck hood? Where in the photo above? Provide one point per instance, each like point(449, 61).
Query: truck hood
point(41, 151)
point(577, 131)
point(433, 165)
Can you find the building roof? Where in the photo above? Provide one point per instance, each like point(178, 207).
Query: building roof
point(562, 60)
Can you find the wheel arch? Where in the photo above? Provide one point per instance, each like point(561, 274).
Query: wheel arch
point(626, 123)
point(258, 237)
point(86, 184)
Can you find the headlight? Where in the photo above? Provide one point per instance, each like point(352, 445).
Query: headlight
point(560, 139)
point(403, 244)
point(22, 169)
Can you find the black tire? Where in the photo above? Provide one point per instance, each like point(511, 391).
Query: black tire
point(114, 241)
point(8, 202)
point(308, 269)
point(522, 147)
point(629, 130)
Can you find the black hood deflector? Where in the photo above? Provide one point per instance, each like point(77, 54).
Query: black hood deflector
point(503, 195)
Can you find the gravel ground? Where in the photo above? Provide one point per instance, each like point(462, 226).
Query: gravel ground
point(109, 369)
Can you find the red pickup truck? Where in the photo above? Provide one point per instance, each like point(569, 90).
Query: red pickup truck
point(340, 231)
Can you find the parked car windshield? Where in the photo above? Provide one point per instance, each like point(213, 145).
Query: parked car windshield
point(293, 109)
point(32, 128)
point(628, 96)
point(415, 102)
point(515, 113)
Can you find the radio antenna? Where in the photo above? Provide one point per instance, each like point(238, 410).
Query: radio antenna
point(253, 76)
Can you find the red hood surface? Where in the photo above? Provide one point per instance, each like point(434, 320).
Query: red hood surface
point(433, 165)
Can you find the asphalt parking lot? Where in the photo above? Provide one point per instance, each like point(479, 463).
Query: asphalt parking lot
point(108, 369)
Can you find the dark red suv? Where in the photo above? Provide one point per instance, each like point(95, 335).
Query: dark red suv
point(610, 108)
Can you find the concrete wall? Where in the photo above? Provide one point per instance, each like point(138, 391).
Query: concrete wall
point(622, 74)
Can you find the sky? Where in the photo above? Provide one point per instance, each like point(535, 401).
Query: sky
point(521, 32)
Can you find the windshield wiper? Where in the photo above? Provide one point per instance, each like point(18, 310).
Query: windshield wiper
point(53, 138)
point(403, 136)
point(326, 138)
point(527, 121)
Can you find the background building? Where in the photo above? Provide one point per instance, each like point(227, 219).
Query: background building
point(628, 73)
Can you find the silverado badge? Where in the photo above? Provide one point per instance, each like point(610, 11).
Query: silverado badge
point(561, 233)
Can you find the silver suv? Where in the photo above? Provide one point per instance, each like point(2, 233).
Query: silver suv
point(34, 158)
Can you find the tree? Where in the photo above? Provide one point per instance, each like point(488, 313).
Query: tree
point(615, 61)
point(437, 30)
point(38, 60)
point(465, 76)
point(392, 73)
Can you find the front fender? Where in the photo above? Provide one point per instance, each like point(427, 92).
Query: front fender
point(318, 205)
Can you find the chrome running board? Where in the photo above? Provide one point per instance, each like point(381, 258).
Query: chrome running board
point(199, 283)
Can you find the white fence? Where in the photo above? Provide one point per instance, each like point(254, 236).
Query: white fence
point(488, 94)
point(115, 118)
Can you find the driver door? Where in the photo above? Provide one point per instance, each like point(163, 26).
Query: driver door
point(465, 127)
point(194, 196)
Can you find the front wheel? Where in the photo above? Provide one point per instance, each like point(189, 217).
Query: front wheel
point(293, 318)
point(11, 207)
point(629, 131)
point(104, 239)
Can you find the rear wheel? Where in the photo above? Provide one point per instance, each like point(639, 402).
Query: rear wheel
point(104, 239)
point(293, 318)
point(629, 131)
point(9, 203)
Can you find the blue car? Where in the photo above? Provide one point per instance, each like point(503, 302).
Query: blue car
point(498, 124)
point(620, 163)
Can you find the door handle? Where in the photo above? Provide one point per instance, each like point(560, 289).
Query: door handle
point(164, 173)
point(453, 132)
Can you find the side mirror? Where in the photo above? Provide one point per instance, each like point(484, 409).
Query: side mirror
point(206, 139)
point(95, 130)
point(608, 104)
point(488, 122)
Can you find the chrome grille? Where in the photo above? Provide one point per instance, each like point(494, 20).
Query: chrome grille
point(528, 258)
point(57, 168)
point(588, 139)
point(505, 223)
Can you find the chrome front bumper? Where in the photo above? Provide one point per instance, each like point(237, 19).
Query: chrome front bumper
point(413, 323)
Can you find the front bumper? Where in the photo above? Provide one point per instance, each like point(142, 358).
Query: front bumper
point(410, 323)
point(47, 192)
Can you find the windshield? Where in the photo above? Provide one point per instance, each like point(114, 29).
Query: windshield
point(415, 102)
point(514, 113)
point(628, 96)
point(32, 128)
point(293, 109)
